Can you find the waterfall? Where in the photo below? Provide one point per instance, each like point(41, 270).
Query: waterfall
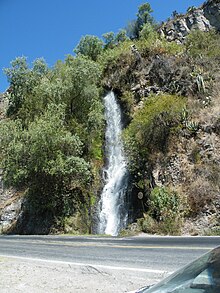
point(113, 211)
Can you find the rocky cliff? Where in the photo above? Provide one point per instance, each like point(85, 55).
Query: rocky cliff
point(203, 18)
point(181, 154)
point(176, 153)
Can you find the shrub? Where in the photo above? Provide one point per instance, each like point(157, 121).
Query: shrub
point(127, 100)
point(148, 32)
point(195, 156)
point(164, 204)
point(150, 128)
point(118, 66)
point(199, 44)
point(153, 44)
point(147, 224)
point(170, 226)
point(166, 211)
point(114, 57)
point(200, 195)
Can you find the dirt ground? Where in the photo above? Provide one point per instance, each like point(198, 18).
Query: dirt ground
point(39, 276)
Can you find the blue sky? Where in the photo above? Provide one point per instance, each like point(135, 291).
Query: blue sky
point(52, 28)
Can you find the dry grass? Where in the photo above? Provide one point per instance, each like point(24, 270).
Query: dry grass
point(200, 195)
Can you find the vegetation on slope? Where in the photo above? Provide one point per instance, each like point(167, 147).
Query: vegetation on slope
point(52, 138)
point(51, 143)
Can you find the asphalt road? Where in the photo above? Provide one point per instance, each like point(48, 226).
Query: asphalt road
point(135, 253)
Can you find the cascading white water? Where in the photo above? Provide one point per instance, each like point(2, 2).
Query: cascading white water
point(113, 211)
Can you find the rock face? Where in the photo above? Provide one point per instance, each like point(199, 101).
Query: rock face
point(203, 18)
point(192, 164)
point(10, 207)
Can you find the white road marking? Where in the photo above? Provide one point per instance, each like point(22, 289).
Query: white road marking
point(84, 264)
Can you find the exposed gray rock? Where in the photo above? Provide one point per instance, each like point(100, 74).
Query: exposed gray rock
point(212, 13)
point(203, 224)
point(203, 18)
point(10, 214)
point(10, 206)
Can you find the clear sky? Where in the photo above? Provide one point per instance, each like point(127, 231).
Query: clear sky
point(52, 28)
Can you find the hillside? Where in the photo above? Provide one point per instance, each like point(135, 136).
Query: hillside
point(166, 79)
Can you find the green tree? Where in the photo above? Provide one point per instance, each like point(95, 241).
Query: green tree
point(80, 79)
point(143, 16)
point(121, 36)
point(23, 80)
point(90, 46)
point(45, 158)
point(17, 76)
point(73, 83)
point(132, 29)
point(109, 40)
point(39, 68)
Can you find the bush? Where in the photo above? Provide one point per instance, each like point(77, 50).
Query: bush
point(200, 195)
point(150, 128)
point(118, 67)
point(169, 226)
point(148, 32)
point(114, 57)
point(147, 224)
point(199, 44)
point(151, 44)
point(165, 215)
point(164, 204)
point(128, 102)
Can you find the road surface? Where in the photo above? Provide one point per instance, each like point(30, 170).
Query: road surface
point(128, 262)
